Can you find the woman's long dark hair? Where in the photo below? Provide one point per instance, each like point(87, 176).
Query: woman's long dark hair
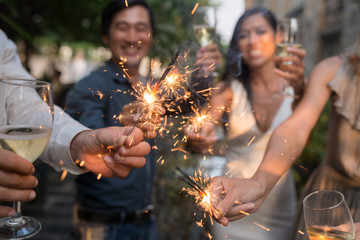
point(235, 68)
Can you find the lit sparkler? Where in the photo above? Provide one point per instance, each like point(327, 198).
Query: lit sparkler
point(153, 98)
point(202, 195)
point(201, 120)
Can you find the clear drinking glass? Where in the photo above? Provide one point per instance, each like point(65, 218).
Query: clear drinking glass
point(288, 30)
point(26, 119)
point(327, 216)
point(204, 25)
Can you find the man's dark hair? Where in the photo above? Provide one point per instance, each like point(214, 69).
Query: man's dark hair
point(118, 5)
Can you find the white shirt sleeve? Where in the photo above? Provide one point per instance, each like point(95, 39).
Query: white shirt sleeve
point(64, 128)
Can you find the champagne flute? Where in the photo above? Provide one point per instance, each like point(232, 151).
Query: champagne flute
point(288, 30)
point(327, 216)
point(204, 25)
point(26, 118)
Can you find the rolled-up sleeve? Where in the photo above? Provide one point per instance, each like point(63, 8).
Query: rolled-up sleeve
point(64, 128)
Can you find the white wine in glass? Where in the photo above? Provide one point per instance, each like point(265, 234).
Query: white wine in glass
point(327, 216)
point(288, 30)
point(26, 118)
point(204, 24)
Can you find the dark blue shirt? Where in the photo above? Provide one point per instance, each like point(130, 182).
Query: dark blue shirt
point(96, 101)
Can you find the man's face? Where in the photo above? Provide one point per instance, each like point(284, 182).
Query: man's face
point(130, 36)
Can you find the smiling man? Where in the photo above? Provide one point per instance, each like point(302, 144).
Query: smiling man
point(110, 208)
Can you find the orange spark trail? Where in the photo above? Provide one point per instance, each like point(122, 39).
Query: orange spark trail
point(194, 9)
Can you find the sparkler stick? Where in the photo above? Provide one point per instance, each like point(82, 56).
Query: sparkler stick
point(190, 181)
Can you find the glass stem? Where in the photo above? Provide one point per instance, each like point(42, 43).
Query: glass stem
point(285, 87)
point(16, 220)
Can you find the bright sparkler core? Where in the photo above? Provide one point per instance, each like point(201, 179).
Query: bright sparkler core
point(149, 97)
point(172, 79)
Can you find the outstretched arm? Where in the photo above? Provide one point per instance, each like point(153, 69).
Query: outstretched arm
point(285, 145)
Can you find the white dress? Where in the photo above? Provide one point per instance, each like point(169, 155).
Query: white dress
point(246, 147)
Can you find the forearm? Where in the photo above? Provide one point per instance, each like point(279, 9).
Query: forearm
point(282, 151)
point(64, 130)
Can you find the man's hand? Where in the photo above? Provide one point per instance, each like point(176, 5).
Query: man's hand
point(111, 151)
point(134, 114)
point(16, 180)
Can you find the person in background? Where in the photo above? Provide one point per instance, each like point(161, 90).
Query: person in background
point(336, 78)
point(112, 208)
point(69, 141)
point(250, 93)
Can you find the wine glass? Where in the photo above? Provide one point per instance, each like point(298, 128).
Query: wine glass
point(204, 25)
point(288, 30)
point(327, 216)
point(26, 118)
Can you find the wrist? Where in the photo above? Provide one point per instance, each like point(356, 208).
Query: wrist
point(266, 180)
point(76, 145)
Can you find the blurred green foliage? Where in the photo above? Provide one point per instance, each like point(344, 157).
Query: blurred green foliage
point(77, 23)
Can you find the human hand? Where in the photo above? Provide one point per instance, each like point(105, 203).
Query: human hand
point(134, 114)
point(235, 198)
point(111, 151)
point(201, 141)
point(295, 71)
point(357, 231)
point(16, 180)
point(208, 58)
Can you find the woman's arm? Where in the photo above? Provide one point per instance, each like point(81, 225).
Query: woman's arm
point(285, 145)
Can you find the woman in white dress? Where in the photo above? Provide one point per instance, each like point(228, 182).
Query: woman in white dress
point(250, 93)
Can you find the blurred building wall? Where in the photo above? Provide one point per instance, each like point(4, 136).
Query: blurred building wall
point(329, 27)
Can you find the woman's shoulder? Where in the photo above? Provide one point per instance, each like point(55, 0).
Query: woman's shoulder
point(331, 63)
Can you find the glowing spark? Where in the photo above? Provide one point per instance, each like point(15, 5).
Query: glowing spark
point(99, 176)
point(265, 228)
point(125, 71)
point(200, 60)
point(100, 94)
point(245, 213)
point(82, 163)
point(63, 175)
point(194, 9)
point(159, 159)
point(301, 232)
point(251, 141)
point(126, 3)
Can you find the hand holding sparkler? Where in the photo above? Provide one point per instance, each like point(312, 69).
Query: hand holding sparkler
point(202, 195)
point(235, 198)
point(111, 151)
point(201, 140)
point(148, 119)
